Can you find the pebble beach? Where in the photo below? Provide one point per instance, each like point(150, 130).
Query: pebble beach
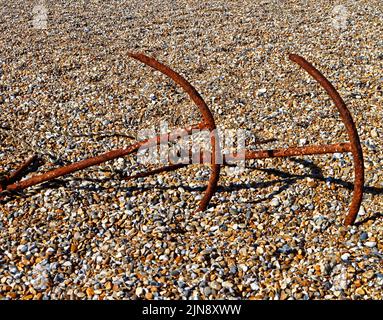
point(69, 91)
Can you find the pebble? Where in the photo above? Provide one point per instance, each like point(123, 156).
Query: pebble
point(207, 291)
point(369, 274)
point(139, 291)
point(361, 211)
point(22, 248)
point(50, 251)
point(260, 250)
point(363, 236)
point(370, 244)
point(345, 256)
point(285, 249)
point(254, 286)
point(360, 291)
point(215, 285)
point(89, 292)
point(227, 284)
point(77, 236)
point(261, 91)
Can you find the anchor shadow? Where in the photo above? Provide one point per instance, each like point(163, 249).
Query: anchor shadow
point(285, 178)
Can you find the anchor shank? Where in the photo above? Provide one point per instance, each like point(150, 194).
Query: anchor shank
point(289, 152)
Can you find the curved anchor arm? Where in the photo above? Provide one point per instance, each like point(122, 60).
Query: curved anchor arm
point(207, 117)
point(346, 117)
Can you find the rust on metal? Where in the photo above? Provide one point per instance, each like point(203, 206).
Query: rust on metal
point(346, 117)
point(293, 152)
point(114, 154)
point(14, 182)
point(207, 117)
point(18, 174)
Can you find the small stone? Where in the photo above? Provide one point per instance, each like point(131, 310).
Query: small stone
point(139, 291)
point(243, 267)
point(215, 285)
point(345, 256)
point(227, 284)
point(374, 133)
point(361, 211)
point(99, 259)
point(77, 235)
point(108, 285)
point(369, 274)
point(22, 248)
point(357, 283)
point(207, 291)
point(370, 244)
point(149, 295)
point(223, 227)
point(254, 286)
point(260, 250)
point(337, 293)
point(49, 251)
point(73, 247)
point(360, 291)
point(294, 207)
point(285, 249)
point(243, 251)
point(261, 92)
point(363, 236)
point(283, 295)
point(12, 295)
point(89, 292)
point(274, 202)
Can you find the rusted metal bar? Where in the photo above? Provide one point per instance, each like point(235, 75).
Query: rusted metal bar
point(207, 117)
point(62, 171)
point(346, 117)
point(290, 152)
point(258, 154)
point(17, 174)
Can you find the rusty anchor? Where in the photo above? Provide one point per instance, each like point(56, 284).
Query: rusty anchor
point(13, 182)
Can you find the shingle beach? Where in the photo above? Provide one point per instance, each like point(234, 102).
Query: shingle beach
point(68, 91)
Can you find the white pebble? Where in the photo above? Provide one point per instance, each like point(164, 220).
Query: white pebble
point(361, 211)
point(345, 256)
point(261, 91)
point(370, 244)
point(227, 284)
point(22, 248)
point(274, 202)
point(254, 286)
point(139, 291)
